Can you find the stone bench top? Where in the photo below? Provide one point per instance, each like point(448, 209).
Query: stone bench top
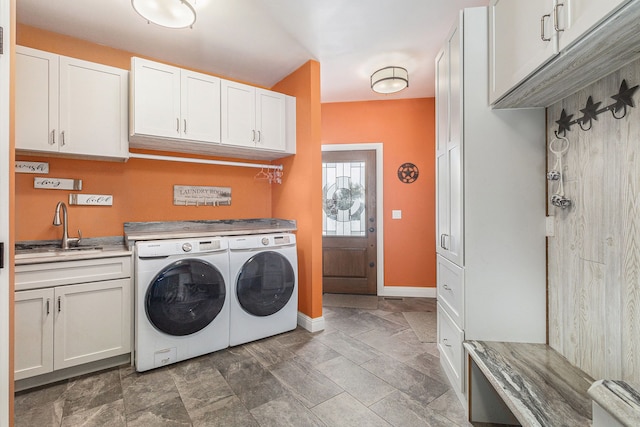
point(621, 399)
point(540, 387)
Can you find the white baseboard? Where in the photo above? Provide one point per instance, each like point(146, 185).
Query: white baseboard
point(407, 291)
point(311, 325)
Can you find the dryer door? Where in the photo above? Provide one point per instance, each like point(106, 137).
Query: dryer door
point(185, 297)
point(265, 284)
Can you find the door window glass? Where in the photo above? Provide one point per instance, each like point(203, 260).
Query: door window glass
point(343, 199)
point(265, 284)
point(185, 297)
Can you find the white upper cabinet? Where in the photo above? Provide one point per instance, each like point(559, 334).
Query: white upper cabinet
point(168, 102)
point(70, 107)
point(522, 39)
point(535, 59)
point(188, 112)
point(576, 17)
point(253, 117)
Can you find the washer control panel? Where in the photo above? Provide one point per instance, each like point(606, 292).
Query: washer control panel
point(156, 248)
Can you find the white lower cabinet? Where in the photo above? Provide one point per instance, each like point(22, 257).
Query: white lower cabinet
point(70, 325)
point(450, 339)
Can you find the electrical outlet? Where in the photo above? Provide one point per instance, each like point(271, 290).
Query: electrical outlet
point(550, 226)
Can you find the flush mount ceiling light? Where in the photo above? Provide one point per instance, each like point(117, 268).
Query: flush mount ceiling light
point(390, 80)
point(166, 13)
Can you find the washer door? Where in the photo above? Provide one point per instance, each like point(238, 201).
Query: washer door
point(265, 284)
point(185, 297)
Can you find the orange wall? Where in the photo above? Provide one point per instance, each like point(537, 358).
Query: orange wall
point(407, 130)
point(143, 189)
point(300, 195)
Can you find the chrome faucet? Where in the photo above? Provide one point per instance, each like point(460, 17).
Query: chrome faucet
point(66, 240)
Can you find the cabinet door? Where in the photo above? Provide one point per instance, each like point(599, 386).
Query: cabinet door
point(238, 114)
point(36, 100)
point(200, 106)
point(93, 109)
point(576, 17)
point(156, 99)
point(33, 319)
point(517, 48)
point(449, 92)
point(270, 120)
point(93, 322)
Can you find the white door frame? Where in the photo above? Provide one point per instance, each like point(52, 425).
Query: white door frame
point(5, 321)
point(377, 146)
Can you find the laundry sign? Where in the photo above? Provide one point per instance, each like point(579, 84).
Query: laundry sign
point(193, 195)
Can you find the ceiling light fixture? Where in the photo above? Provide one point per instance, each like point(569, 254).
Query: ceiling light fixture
point(166, 13)
point(390, 80)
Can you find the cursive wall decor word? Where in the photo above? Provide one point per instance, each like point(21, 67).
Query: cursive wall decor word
point(57, 183)
point(91, 199)
point(31, 167)
point(191, 195)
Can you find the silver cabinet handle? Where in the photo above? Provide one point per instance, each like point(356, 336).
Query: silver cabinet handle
point(59, 304)
point(259, 136)
point(62, 143)
point(53, 137)
point(446, 287)
point(443, 241)
point(446, 342)
point(48, 306)
point(556, 20)
point(544, 39)
point(254, 135)
point(185, 126)
point(178, 124)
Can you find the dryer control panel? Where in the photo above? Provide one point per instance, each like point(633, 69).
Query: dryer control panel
point(158, 248)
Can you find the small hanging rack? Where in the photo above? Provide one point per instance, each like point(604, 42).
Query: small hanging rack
point(623, 99)
point(204, 161)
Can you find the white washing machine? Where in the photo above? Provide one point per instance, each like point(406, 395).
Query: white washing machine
point(182, 300)
point(264, 289)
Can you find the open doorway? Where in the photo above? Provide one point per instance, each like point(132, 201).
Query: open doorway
point(352, 219)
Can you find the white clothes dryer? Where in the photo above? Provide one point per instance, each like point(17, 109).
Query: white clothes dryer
point(182, 300)
point(264, 290)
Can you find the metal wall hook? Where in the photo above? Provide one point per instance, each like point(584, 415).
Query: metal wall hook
point(623, 99)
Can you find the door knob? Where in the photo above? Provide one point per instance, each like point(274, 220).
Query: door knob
point(371, 264)
point(371, 229)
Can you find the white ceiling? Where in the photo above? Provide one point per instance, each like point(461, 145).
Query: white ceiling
point(262, 41)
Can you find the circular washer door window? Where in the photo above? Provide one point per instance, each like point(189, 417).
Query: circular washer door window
point(185, 297)
point(265, 284)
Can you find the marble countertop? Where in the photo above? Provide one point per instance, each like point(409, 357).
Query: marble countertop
point(620, 398)
point(135, 231)
point(44, 251)
point(538, 384)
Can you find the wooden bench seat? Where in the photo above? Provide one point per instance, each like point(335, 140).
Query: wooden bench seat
point(526, 384)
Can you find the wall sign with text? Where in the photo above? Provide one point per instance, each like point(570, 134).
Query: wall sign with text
point(57, 183)
point(193, 195)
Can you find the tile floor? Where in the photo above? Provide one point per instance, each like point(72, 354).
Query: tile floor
point(367, 368)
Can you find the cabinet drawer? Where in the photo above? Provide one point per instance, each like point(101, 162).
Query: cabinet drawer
point(450, 294)
point(450, 339)
point(46, 275)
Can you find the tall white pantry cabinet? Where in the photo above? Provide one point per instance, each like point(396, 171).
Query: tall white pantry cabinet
point(490, 168)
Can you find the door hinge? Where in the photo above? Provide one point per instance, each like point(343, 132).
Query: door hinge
point(1, 41)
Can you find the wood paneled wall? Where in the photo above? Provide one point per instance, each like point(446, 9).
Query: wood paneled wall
point(594, 257)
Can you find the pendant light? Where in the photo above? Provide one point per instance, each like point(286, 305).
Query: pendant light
point(166, 13)
point(390, 80)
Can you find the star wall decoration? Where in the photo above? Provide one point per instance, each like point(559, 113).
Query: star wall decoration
point(623, 99)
